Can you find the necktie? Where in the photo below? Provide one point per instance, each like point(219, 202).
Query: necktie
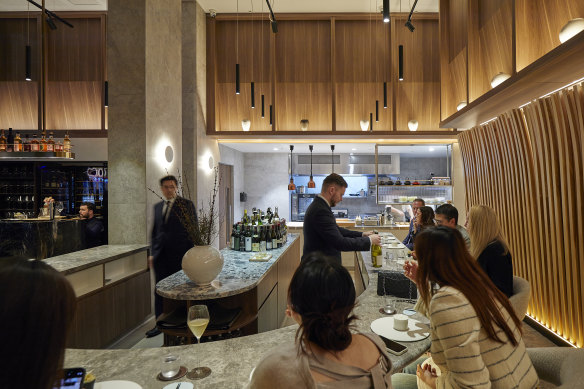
point(166, 211)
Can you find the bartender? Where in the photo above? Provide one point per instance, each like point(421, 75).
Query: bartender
point(94, 228)
point(321, 232)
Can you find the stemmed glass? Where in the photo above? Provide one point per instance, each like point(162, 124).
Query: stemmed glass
point(59, 206)
point(198, 320)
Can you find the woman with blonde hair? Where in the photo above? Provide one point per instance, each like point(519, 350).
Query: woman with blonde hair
point(490, 248)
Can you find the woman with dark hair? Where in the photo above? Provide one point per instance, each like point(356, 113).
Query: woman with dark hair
point(321, 298)
point(424, 218)
point(37, 305)
point(476, 335)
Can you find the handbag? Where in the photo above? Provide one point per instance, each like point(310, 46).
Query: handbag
point(395, 283)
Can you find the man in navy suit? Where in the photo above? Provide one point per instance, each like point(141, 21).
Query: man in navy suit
point(170, 239)
point(321, 232)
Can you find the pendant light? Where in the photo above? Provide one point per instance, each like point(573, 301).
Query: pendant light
point(384, 94)
point(370, 121)
point(376, 110)
point(262, 59)
point(386, 11)
point(106, 94)
point(401, 63)
point(237, 86)
point(291, 185)
point(263, 111)
point(311, 183)
point(27, 75)
point(252, 76)
point(270, 114)
point(333, 158)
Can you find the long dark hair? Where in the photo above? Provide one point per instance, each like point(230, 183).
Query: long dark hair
point(427, 214)
point(443, 258)
point(323, 294)
point(37, 305)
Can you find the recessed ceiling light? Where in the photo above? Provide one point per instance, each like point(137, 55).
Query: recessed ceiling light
point(354, 149)
point(430, 148)
point(276, 149)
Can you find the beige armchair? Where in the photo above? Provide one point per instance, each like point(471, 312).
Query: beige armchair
point(562, 366)
point(520, 299)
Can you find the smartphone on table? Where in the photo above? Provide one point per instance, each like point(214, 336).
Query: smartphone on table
point(70, 379)
point(393, 347)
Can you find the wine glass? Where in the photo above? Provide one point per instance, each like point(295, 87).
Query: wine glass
point(198, 320)
point(59, 206)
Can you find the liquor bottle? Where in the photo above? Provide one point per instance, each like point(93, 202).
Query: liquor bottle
point(398, 182)
point(242, 238)
point(232, 240)
point(67, 144)
point(248, 238)
point(263, 239)
point(244, 218)
point(59, 146)
point(26, 143)
point(255, 241)
point(43, 143)
point(18, 142)
point(276, 217)
point(34, 144)
point(2, 141)
point(51, 142)
point(10, 141)
point(269, 245)
point(278, 236)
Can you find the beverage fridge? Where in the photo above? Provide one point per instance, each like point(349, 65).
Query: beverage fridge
point(299, 202)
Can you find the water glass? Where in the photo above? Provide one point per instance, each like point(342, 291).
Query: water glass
point(170, 366)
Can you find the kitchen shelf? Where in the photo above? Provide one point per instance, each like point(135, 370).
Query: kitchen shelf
point(413, 186)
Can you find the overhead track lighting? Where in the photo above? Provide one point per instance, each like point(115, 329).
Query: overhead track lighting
point(401, 63)
point(50, 16)
point(386, 11)
point(311, 183)
point(291, 185)
point(272, 18)
point(409, 24)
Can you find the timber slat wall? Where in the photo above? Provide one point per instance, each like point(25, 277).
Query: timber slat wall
point(528, 165)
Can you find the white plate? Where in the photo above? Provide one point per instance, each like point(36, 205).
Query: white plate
point(416, 330)
point(117, 384)
point(389, 246)
point(183, 385)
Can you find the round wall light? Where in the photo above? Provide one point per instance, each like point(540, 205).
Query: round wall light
point(413, 125)
point(169, 154)
point(498, 79)
point(364, 125)
point(461, 105)
point(211, 162)
point(571, 29)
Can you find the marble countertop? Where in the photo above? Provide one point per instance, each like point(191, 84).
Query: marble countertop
point(352, 224)
point(231, 360)
point(83, 259)
point(238, 275)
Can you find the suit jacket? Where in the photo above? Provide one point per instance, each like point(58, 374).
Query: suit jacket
point(321, 232)
point(409, 240)
point(170, 240)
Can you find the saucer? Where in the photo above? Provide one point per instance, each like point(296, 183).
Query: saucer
point(416, 330)
point(117, 384)
point(181, 373)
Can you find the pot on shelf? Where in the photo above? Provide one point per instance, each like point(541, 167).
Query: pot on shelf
point(202, 264)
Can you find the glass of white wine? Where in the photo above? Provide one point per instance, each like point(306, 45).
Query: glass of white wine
point(198, 320)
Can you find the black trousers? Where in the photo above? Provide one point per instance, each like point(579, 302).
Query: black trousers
point(163, 267)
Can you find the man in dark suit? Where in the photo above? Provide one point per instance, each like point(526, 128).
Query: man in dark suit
point(409, 240)
point(321, 232)
point(170, 239)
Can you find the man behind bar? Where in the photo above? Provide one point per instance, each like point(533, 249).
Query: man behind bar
point(321, 232)
point(94, 228)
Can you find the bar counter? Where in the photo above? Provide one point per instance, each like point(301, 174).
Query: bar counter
point(231, 360)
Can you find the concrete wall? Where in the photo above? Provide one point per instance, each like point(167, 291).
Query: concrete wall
point(420, 168)
point(266, 182)
point(236, 159)
point(90, 149)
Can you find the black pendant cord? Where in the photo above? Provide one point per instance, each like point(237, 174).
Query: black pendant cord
point(27, 75)
point(106, 94)
point(252, 75)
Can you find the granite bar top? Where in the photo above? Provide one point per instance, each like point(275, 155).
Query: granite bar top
point(238, 275)
point(39, 220)
point(351, 224)
point(83, 259)
point(231, 360)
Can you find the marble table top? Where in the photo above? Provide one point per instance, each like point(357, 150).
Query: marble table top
point(238, 275)
point(232, 360)
point(83, 259)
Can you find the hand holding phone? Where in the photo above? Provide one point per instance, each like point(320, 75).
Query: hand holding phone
point(70, 379)
point(393, 346)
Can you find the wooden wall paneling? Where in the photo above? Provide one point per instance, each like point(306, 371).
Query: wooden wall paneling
point(490, 46)
point(231, 108)
point(362, 63)
point(303, 55)
point(273, 74)
point(333, 76)
point(538, 24)
point(211, 51)
point(19, 108)
point(453, 55)
point(418, 95)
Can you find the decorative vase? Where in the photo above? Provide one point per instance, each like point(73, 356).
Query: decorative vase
point(202, 264)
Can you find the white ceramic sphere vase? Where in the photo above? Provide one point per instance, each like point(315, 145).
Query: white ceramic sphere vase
point(202, 264)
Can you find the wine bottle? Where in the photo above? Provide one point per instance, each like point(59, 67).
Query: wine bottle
point(376, 255)
point(233, 235)
point(255, 241)
point(67, 144)
point(242, 238)
point(263, 241)
point(10, 141)
point(248, 238)
point(2, 141)
point(274, 237)
point(279, 235)
point(34, 143)
point(244, 219)
point(269, 237)
point(276, 217)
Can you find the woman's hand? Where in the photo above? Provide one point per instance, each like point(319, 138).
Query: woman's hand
point(411, 270)
point(427, 374)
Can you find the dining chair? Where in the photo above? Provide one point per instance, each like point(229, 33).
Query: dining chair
point(520, 298)
point(561, 366)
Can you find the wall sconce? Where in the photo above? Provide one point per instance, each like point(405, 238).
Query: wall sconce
point(571, 29)
point(245, 124)
point(169, 154)
point(291, 185)
point(311, 183)
point(304, 124)
point(499, 79)
point(413, 125)
point(461, 105)
point(211, 162)
point(364, 125)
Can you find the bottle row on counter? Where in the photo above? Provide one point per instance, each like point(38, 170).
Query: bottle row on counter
point(17, 144)
point(260, 232)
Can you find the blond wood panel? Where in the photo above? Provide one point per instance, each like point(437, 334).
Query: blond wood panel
point(74, 105)
point(528, 165)
point(453, 54)
point(19, 108)
point(361, 58)
point(490, 47)
point(303, 80)
point(538, 24)
point(418, 95)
